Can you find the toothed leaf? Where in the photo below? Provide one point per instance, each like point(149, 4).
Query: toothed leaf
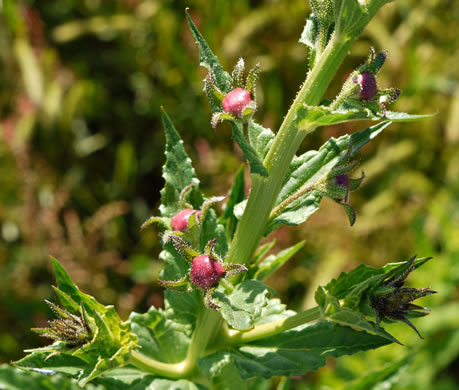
point(177, 172)
point(208, 59)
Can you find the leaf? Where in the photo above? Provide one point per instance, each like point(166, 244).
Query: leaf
point(244, 304)
point(14, 379)
point(237, 194)
point(208, 59)
point(275, 310)
point(133, 379)
point(317, 116)
point(261, 252)
point(350, 19)
point(296, 213)
point(384, 378)
point(229, 379)
point(274, 262)
point(294, 352)
point(260, 138)
point(177, 172)
point(109, 348)
point(310, 32)
point(347, 280)
point(309, 168)
point(249, 153)
point(156, 335)
point(181, 307)
point(211, 229)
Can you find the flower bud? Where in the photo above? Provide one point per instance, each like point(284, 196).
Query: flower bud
point(205, 272)
point(368, 86)
point(391, 301)
point(179, 221)
point(236, 100)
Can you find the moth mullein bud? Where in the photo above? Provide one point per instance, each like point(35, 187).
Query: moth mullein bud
point(205, 272)
point(72, 329)
point(179, 221)
point(236, 100)
point(392, 301)
point(368, 86)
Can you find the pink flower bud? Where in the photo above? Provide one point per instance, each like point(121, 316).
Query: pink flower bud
point(180, 220)
point(236, 100)
point(368, 87)
point(205, 272)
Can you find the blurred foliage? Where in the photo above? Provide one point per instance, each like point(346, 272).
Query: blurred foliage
point(81, 149)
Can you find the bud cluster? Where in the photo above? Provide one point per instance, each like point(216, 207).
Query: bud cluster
point(391, 302)
point(73, 330)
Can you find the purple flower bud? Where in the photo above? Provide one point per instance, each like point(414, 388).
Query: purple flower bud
point(205, 272)
point(180, 220)
point(236, 100)
point(368, 87)
point(342, 180)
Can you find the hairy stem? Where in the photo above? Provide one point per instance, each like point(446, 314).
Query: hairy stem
point(265, 191)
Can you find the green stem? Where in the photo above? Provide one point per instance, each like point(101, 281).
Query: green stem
point(265, 191)
point(208, 325)
point(271, 329)
point(153, 366)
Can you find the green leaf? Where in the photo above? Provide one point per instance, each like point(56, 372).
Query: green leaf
point(14, 379)
point(261, 252)
point(294, 352)
point(275, 310)
point(249, 153)
point(350, 19)
point(310, 32)
point(208, 59)
point(296, 213)
point(177, 172)
point(260, 138)
point(229, 379)
point(180, 307)
point(274, 262)
point(133, 379)
point(317, 116)
point(237, 194)
point(309, 168)
point(156, 335)
point(334, 312)
point(109, 348)
point(243, 306)
point(384, 378)
point(210, 230)
point(341, 286)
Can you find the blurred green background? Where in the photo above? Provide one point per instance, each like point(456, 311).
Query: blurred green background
point(81, 150)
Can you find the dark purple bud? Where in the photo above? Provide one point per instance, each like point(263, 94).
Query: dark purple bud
point(368, 86)
point(236, 100)
point(179, 221)
point(342, 180)
point(205, 272)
